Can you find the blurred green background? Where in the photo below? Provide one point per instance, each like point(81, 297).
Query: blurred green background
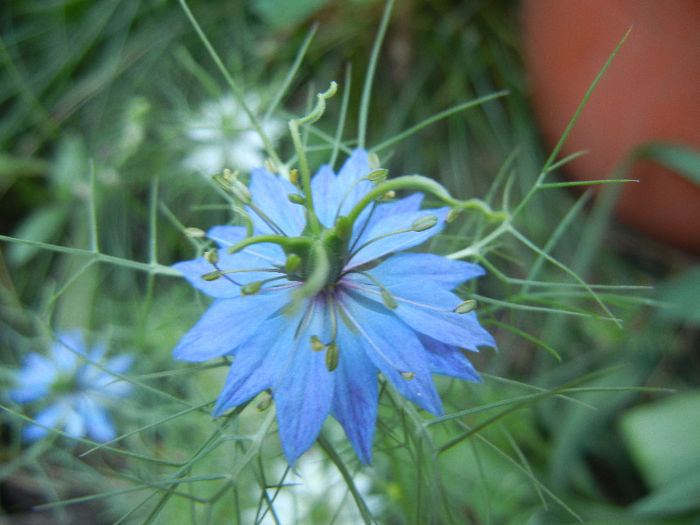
point(97, 101)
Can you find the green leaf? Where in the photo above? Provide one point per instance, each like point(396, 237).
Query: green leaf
point(664, 439)
point(679, 297)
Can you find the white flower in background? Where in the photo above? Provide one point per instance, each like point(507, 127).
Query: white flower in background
point(316, 493)
point(220, 135)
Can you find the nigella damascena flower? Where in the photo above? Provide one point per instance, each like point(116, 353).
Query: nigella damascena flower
point(322, 297)
point(74, 390)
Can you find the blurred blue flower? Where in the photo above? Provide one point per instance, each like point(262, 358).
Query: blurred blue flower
point(376, 310)
point(74, 389)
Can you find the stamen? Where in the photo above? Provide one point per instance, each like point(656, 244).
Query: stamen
point(408, 375)
point(387, 298)
point(251, 288)
point(424, 223)
point(212, 257)
point(296, 198)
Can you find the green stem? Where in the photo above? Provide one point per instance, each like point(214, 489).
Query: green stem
point(288, 243)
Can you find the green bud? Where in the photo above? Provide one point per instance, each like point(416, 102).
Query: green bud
point(389, 300)
point(212, 276)
point(377, 176)
point(332, 357)
point(408, 375)
point(316, 344)
point(296, 198)
point(195, 232)
point(251, 288)
point(424, 223)
point(211, 256)
point(292, 263)
point(466, 307)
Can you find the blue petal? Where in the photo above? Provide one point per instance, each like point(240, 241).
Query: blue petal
point(98, 426)
point(228, 323)
point(33, 379)
point(258, 363)
point(269, 194)
point(48, 417)
point(322, 188)
point(303, 400)
point(355, 397)
point(348, 191)
point(411, 268)
point(393, 348)
point(401, 241)
point(448, 360)
point(226, 236)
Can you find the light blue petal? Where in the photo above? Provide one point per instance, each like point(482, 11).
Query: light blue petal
point(348, 191)
point(303, 399)
point(401, 241)
point(356, 396)
point(48, 417)
point(33, 379)
point(393, 348)
point(322, 188)
point(383, 211)
point(98, 425)
point(270, 194)
point(411, 268)
point(73, 422)
point(448, 360)
point(259, 362)
point(461, 330)
point(226, 236)
point(228, 323)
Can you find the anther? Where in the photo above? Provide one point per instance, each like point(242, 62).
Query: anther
point(389, 300)
point(388, 195)
point(424, 223)
point(265, 402)
point(373, 160)
point(452, 215)
point(212, 276)
point(408, 375)
point(294, 176)
point(195, 233)
point(251, 288)
point(296, 198)
point(466, 307)
point(316, 344)
point(377, 176)
point(211, 256)
point(332, 357)
point(270, 166)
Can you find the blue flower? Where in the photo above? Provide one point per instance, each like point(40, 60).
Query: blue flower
point(314, 314)
point(74, 389)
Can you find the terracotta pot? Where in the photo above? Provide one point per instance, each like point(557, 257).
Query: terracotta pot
point(650, 92)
